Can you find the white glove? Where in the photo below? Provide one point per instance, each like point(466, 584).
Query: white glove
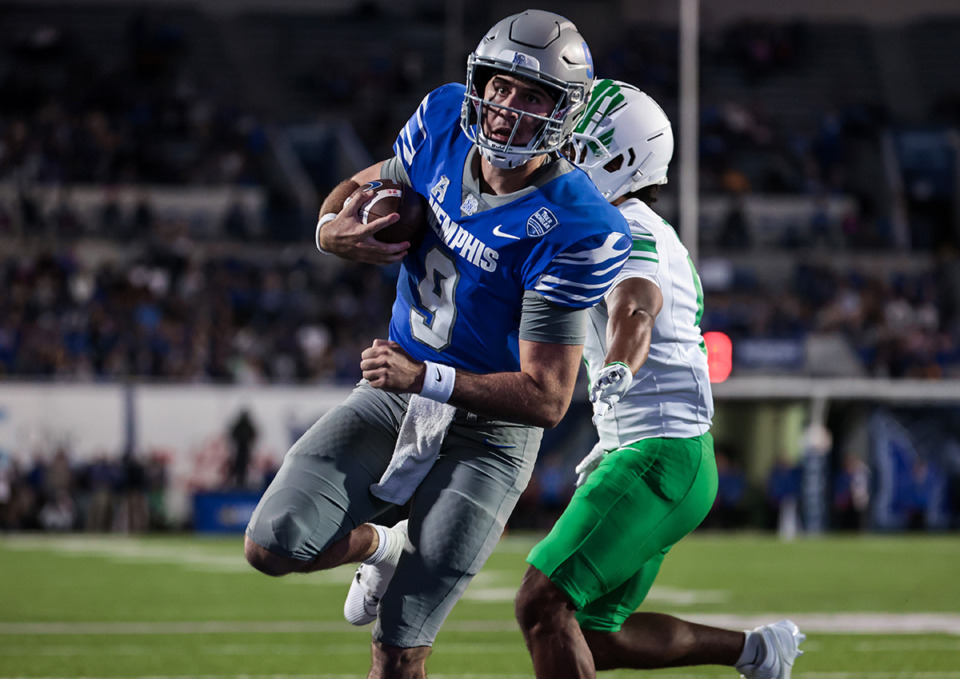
point(612, 383)
point(589, 463)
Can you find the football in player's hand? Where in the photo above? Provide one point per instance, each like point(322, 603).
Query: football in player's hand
point(389, 197)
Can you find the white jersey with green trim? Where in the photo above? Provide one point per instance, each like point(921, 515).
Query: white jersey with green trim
point(670, 396)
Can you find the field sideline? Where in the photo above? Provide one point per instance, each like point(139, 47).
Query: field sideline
point(877, 607)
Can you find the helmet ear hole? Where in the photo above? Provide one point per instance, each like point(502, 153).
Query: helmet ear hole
point(615, 164)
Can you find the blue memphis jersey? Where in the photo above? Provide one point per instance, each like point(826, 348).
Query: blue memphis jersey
point(460, 294)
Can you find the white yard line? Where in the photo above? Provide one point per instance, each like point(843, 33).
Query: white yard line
point(811, 623)
point(687, 675)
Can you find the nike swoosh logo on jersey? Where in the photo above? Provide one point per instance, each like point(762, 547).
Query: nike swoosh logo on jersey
point(498, 232)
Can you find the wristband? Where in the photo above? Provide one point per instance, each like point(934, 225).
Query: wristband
point(438, 381)
point(329, 217)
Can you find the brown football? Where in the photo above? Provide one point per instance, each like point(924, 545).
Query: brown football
point(390, 197)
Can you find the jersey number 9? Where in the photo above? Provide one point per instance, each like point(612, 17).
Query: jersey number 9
point(437, 296)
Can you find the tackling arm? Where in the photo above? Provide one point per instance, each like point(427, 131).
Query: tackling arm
point(632, 308)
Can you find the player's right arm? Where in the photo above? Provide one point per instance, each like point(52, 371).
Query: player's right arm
point(343, 234)
point(340, 231)
point(632, 309)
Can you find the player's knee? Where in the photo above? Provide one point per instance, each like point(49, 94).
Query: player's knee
point(539, 602)
point(393, 662)
point(264, 561)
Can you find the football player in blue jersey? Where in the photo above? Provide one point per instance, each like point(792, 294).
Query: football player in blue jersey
point(484, 345)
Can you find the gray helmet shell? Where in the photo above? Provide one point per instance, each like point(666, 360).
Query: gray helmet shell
point(541, 47)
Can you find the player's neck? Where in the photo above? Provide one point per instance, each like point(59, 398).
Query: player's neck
point(499, 181)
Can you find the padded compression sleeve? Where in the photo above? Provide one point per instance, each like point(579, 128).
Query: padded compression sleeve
point(541, 321)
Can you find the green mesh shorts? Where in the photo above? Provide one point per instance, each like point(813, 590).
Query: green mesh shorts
point(606, 549)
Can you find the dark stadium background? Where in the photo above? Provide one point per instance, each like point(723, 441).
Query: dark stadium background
point(161, 164)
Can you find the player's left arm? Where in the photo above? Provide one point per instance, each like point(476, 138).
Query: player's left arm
point(539, 394)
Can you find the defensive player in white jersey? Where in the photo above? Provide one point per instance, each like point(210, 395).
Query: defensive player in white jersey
point(484, 346)
point(652, 478)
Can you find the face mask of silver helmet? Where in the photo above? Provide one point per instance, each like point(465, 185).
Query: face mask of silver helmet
point(624, 141)
point(546, 49)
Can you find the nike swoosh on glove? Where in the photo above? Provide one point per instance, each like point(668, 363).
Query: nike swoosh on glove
point(612, 383)
point(589, 463)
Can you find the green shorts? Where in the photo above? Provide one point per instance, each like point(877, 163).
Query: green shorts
point(605, 550)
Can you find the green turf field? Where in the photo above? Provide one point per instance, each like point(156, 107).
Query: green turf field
point(88, 606)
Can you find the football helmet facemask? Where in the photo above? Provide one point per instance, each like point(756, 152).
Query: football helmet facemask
point(545, 49)
point(624, 141)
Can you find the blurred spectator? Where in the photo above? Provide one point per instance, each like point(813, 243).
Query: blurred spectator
point(783, 496)
point(102, 478)
point(59, 513)
point(730, 506)
point(156, 486)
point(851, 493)
point(243, 434)
point(8, 479)
point(133, 512)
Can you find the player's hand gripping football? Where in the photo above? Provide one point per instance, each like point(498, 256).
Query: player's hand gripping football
point(348, 237)
point(611, 384)
point(589, 463)
point(387, 366)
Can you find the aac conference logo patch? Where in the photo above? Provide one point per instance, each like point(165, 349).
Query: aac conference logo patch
point(541, 223)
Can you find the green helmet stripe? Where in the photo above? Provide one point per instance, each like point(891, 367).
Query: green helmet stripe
point(605, 93)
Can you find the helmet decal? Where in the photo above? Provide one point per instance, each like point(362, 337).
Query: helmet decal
point(624, 140)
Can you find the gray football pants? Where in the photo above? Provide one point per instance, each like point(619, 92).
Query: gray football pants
point(457, 514)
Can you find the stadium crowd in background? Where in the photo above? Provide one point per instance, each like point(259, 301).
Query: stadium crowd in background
point(170, 305)
point(67, 119)
point(168, 311)
point(111, 493)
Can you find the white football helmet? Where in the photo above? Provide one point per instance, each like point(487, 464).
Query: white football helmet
point(542, 47)
point(624, 141)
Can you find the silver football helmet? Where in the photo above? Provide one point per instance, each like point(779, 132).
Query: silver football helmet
point(542, 47)
point(624, 141)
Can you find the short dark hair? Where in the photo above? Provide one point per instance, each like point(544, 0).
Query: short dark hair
point(648, 194)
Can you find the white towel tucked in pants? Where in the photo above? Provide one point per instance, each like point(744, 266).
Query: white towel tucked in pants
point(418, 446)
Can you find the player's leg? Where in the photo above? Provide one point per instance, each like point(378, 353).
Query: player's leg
point(654, 640)
point(640, 500)
point(456, 519)
point(313, 514)
point(391, 662)
point(548, 622)
point(650, 640)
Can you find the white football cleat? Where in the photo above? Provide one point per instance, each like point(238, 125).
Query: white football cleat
point(782, 643)
point(368, 585)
